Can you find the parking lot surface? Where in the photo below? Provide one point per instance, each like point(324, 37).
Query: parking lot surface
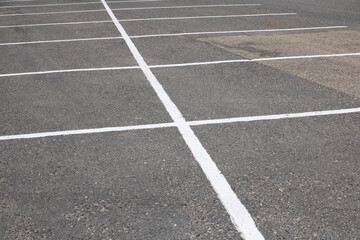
point(163, 119)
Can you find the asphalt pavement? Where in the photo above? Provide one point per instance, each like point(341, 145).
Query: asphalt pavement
point(164, 119)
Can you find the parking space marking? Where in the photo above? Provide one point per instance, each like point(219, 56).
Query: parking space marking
point(129, 9)
point(237, 31)
point(182, 64)
point(60, 41)
point(254, 60)
point(50, 13)
point(237, 211)
point(9, 1)
point(172, 124)
point(55, 24)
point(77, 3)
point(176, 34)
point(87, 131)
point(69, 71)
point(275, 117)
point(153, 19)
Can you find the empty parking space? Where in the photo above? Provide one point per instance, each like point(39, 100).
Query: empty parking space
point(108, 186)
point(67, 101)
point(300, 177)
point(41, 19)
point(191, 10)
point(145, 119)
point(211, 23)
point(167, 50)
point(53, 56)
point(51, 31)
point(245, 89)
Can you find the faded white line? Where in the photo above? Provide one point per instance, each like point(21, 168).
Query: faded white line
point(152, 19)
point(237, 31)
point(60, 41)
point(128, 9)
point(9, 1)
point(86, 131)
point(54, 24)
point(49, 13)
point(77, 3)
point(275, 117)
point(191, 6)
point(254, 60)
point(238, 213)
point(206, 17)
point(191, 123)
point(183, 64)
point(176, 34)
point(68, 71)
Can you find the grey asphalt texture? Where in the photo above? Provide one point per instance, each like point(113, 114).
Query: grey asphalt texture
point(298, 178)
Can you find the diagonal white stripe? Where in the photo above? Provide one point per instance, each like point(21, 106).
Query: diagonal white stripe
point(275, 116)
point(254, 60)
point(86, 131)
point(69, 71)
point(238, 213)
point(191, 123)
point(182, 64)
point(237, 31)
point(175, 35)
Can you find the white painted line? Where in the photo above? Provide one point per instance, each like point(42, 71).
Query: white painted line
point(275, 117)
point(191, 6)
point(54, 24)
point(253, 60)
point(152, 19)
point(128, 9)
point(10, 1)
point(181, 64)
point(50, 13)
point(174, 35)
point(237, 31)
point(60, 41)
point(77, 3)
point(305, 57)
point(86, 131)
point(206, 17)
point(191, 123)
point(238, 213)
point(69, 71)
